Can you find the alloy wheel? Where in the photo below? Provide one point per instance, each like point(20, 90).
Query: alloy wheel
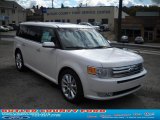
point(69, 87)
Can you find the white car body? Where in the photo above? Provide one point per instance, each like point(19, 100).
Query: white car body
point(48, 62)
point(3, 29)
point(8, 27)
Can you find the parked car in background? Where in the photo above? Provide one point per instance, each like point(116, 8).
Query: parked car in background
point(124, 39)
point(104, 27)
point(15, 27)
point(96, 23)
point(3, 29)
point(88, 24)
point(9, 27)
point(139, 40)
point(79, 59)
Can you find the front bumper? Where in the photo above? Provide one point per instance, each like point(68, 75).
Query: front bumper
point(103, 89)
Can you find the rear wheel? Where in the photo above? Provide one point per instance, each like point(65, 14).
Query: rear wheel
point(19, 61)
point(71, 87)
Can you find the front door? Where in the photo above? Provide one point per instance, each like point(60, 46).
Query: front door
point(148, 35)
point(47, 58)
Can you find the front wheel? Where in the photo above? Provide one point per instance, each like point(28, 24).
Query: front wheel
point(71, 86)
point(19, 61)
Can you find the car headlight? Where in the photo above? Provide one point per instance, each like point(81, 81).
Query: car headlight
point(100, 72)
point(104, 72)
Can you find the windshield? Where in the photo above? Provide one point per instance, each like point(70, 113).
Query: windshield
point(75, 38)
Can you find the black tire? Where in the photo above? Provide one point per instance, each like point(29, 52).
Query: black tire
point(79, 90)
point(19, 61)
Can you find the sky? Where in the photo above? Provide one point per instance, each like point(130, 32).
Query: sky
point(75, 3)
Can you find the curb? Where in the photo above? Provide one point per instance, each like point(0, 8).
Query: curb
point(7, 36)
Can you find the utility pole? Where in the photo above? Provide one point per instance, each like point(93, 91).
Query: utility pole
point(52, 3)
point(119, 20)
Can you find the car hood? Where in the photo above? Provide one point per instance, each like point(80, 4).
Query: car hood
point(110, 57)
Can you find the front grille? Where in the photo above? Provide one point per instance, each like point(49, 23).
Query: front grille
point(127, 70)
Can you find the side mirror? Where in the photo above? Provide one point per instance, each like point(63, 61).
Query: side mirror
point(48, 45)
point(109, 41)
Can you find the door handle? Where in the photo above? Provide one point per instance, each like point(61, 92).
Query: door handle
point(38, 50)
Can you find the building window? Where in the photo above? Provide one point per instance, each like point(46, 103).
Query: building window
point(51, 20)
point(158, 33)
point(13, 22)
point(104, 21)
point(3, 23)
point(57, 20)
point(2, 10)
point(148, 28)
point(137, 33)
point(91, 21)
point(131, 32)
point(63, 20)
point(47, 20)
point(78, 21)
point(68, 20)
point(13, 11)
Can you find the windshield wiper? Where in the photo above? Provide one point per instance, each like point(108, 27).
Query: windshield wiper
point(100, 47)
point(76, 47)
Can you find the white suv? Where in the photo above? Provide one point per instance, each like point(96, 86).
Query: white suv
point(78, 59)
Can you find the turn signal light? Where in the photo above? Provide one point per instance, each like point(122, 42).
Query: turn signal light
point(91, 70)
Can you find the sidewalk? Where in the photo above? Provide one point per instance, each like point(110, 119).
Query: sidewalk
point(7, 34)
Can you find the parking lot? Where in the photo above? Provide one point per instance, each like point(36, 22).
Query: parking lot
point(30, 90)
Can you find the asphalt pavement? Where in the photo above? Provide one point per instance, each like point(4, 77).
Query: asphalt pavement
point(30, 90)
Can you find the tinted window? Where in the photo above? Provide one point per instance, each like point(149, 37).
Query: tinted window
point(34, 33)
point(22, 31)
point(104, 21)
point(37, 34)
point(30, 32)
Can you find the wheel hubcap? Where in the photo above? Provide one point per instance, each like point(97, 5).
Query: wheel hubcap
point(18, 61)
point(69, 87)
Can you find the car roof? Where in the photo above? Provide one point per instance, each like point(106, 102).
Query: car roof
point(55, 24)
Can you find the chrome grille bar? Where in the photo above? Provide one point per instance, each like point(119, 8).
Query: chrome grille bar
point(127, 70)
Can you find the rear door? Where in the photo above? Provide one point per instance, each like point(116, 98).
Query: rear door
point(31, 46)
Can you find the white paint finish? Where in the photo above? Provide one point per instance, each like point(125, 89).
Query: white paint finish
point(55, 25)
point(108, 57)
point(49, 61)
